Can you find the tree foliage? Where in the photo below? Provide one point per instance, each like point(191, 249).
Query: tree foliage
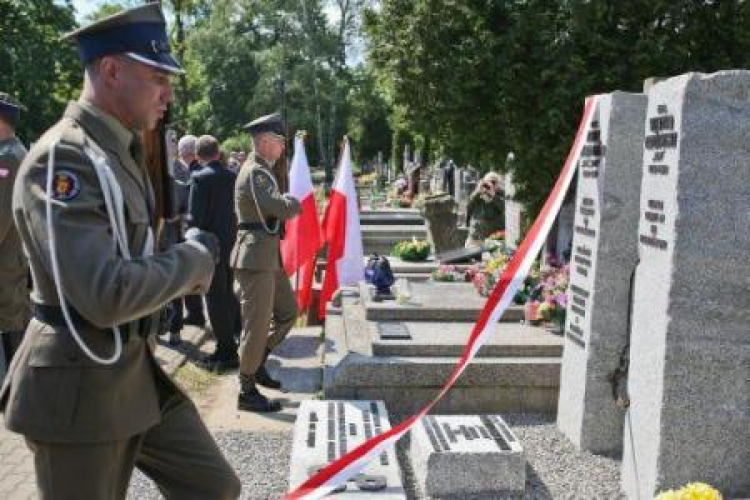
point(486, 78)
point(38, 69)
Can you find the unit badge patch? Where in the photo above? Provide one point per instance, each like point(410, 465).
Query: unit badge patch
point(65, 185)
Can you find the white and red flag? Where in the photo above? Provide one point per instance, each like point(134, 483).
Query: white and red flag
point(303, 239)
point(343, 468)
point(342, 232)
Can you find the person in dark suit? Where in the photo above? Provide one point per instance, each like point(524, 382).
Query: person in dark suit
point(211, 205)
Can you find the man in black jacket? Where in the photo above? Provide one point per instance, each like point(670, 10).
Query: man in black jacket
point(211, 205)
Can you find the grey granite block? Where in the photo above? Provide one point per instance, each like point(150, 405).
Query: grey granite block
point(326, 430)
point(689, 379)
point(433, 301)
point(462, 455)
point(604, 257)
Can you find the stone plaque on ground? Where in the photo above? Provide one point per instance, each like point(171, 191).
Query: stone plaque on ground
point(689, 378)
point(462, 455)
point(442, 223)
point(327, 430)
point(391, 330)
point(604, 257)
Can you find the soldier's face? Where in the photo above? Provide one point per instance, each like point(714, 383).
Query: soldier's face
point(145, 92)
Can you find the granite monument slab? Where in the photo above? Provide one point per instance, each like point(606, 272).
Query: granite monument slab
point(689, 377)
point(604, 257)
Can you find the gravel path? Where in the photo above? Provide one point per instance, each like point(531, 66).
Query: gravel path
point(260, 459)
point(555, 470)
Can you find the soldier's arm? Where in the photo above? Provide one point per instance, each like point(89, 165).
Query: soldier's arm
point(198, 203)
point(101, 285)
point(271, 202)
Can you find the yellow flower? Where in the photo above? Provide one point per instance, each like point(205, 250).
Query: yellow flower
point(693, 491)
point(700, 491)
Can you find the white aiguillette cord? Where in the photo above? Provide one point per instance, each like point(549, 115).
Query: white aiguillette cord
point(113, 200)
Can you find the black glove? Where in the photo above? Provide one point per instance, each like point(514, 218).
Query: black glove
point(208, 240)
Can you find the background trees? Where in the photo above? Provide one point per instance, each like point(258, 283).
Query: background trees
point(471, 79)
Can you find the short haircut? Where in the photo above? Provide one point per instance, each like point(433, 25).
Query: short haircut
point(186, 145)
point(207, 147)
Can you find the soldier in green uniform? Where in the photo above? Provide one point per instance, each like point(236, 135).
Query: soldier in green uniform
point(485, 210)
point(84, 388)
point(269, 307)
point(14, 270)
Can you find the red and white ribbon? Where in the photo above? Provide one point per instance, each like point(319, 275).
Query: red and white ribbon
point(339, 471)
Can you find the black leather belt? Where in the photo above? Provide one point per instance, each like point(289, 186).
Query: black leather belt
point(250, 226)
point(53, 316)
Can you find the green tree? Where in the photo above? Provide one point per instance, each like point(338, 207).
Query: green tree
point(36, 67)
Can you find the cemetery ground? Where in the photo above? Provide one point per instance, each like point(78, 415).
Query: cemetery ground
point(259, 446)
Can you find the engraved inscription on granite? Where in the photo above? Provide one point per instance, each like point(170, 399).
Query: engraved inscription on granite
point(327, 430)
point(689, 375)
point(459, 455)
point(584, 240)
point(603, 259)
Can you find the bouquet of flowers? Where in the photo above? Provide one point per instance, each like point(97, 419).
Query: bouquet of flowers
point(413, 251)
point(484, 282)
point(495, 242)
point(693, 491)
point(446, 273)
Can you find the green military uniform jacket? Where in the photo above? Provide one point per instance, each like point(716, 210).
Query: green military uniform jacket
point(487, 215)
point(257, 198)
point(53, 391)
point(14, 293)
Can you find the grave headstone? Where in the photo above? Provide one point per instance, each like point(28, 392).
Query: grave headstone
point(604, 256)
point(327, 430)
point(442, 223)
point(461, 455)
point(689, 376)
point(513, 210)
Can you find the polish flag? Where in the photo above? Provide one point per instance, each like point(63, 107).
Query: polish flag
point(299, 248)
point(341, 230)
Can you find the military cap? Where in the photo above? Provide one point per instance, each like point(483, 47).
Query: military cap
point(139, 33)
point(269, 124)
point(10, 109)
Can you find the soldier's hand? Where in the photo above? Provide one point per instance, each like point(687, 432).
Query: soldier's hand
point(293, 203)
point(208, 240)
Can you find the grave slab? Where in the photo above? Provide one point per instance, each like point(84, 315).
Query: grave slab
point(327, 430)
point(604, 256)
point(391, 218)
point(520, 380)
point(689, 376)
point(431, 338)
point(461, 455)
point(433, 301)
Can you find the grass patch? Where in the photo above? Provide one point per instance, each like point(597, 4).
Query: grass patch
point(195, 380)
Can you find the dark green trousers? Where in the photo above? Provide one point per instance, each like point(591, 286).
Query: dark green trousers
point(178, 454)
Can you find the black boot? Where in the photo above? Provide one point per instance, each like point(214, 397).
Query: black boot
point(262, 376)
point(250, 399)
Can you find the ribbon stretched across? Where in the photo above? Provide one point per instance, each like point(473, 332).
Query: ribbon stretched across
point(339, 471)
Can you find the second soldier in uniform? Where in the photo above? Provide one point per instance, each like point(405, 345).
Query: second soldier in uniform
point(268, 305)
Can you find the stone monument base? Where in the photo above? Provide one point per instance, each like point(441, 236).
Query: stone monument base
point(460, 455)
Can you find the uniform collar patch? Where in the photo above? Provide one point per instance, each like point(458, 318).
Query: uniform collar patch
point(65, 185)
